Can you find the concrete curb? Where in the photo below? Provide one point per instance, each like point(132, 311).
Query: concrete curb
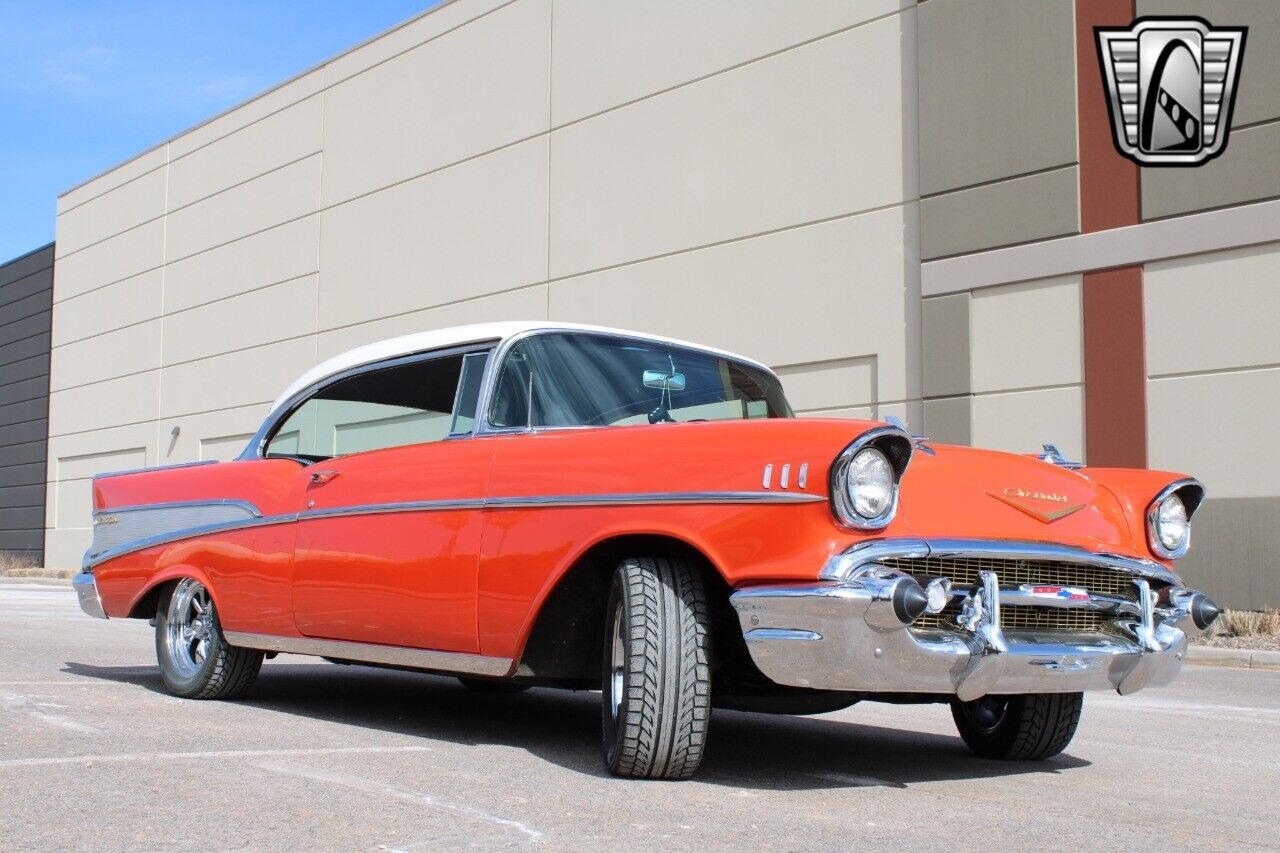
point(1237, 658)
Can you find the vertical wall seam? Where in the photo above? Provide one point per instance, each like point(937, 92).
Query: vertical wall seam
point(551, 59)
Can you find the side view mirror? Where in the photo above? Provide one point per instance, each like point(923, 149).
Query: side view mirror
point(663, 380)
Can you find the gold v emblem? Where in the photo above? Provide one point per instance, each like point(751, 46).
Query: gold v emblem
point(1023, 503)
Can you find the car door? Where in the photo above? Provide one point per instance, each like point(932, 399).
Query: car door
point(389, 522)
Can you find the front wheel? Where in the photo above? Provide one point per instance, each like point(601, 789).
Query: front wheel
point(1020, 728)
point(196, 662)
point(656, 674)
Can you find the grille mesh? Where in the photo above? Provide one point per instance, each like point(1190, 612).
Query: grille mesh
point(963, 572)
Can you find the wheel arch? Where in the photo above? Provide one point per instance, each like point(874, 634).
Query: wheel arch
point(565, 640)
point(146, 602)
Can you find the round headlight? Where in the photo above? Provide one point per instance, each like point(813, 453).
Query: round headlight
point(1170, 529)
point(869, 484)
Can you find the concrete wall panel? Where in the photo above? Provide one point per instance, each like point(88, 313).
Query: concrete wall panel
point(997, 90)
point(471, 90)
point(1017, 210)
point(132, 349)
point(1244, 172)
point(127, 400)
point(127, 206)
point(240, 322)
point(761, 147)
point(1027, 335)
point(856, 268)
point(526, 303)
point(276, 140)
point(124, 303)
point(1210, 426)
point(1021, 421)
point(1233, 559)
point(469, 230)
point(608, 54)
point(287, 193)
point(123, 256)
point(233, 379)
point(1213, 312)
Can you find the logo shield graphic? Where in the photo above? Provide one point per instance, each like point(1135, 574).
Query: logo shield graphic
point(1171, 84)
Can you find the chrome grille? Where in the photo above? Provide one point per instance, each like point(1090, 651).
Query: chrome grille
point(963, 572)
point(1078, 620)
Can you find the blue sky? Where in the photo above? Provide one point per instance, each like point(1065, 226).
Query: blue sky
point(87, 84)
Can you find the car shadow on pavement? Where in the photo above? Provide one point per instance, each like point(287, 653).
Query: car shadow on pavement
point(752, 751)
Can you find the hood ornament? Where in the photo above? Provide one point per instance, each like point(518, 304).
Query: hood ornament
point(1051, 454)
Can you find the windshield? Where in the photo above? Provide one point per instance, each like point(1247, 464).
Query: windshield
point(574, 379)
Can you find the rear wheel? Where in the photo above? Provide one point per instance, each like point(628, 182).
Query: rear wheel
point(1021, 728)
point(196, 661)
point(656, 673)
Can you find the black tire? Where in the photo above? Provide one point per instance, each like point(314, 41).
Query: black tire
point(492, 685)
point(1029, 727)
point(210, 668)
point(661, 684)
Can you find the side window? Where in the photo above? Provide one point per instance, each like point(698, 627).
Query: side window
point(410, 403)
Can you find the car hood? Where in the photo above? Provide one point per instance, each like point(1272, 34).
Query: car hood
point(959, 492)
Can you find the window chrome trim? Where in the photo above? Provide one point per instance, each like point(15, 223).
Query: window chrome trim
point(257, 446)
point(428, 659)
point(845, 564)
point(92, 559)
point(1153, 539)
point(485, 402)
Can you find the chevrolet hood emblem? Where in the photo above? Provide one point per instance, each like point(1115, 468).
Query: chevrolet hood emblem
point(1046, 507)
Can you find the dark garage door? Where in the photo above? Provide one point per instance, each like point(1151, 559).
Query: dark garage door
point(26, 309)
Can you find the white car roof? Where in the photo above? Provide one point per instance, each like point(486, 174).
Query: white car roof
point(459, 336)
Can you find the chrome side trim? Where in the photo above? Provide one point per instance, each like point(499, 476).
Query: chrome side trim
point(649, 498)
point(843, 565)
point(245, 505)
point(387, 508)
point(146, 470)
point(427, 659)
point(93, 558)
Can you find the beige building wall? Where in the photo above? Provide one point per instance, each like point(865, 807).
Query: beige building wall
point(656, 169)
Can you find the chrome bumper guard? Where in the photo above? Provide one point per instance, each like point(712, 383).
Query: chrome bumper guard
point(849, 631)
point(87, 591)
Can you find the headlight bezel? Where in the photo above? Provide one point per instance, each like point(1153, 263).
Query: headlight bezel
point(896, 447)
point(1189, 493)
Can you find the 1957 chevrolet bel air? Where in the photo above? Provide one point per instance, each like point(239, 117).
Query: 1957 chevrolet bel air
point(527, 504)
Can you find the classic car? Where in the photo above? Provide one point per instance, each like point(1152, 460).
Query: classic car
point(524, 504)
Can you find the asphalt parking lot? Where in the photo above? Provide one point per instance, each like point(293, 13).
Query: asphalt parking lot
point(94, 754)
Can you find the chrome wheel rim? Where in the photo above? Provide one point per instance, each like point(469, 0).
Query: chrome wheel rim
point(618, 665)
point(189, 631)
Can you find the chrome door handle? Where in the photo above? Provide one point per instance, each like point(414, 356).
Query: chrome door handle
point(319, 478)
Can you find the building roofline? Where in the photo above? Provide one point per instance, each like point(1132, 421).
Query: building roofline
point(37, 250)
point(311, 70)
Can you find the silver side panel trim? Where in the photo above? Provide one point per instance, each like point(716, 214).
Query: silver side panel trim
point(120, 527)
point(374, 653)
point(98, 555)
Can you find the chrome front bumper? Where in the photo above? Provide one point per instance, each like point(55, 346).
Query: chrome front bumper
point(87, 591)
point(845, 633)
